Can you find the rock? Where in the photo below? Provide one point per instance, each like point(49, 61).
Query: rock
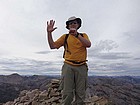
point(35, 97)
point(9, 103)
point(52, 96)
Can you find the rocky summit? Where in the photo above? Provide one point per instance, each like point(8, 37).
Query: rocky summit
point(52, 96)
point(44, 90)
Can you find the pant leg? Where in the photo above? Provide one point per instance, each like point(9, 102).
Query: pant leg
point(81, 75)
point(68, 84)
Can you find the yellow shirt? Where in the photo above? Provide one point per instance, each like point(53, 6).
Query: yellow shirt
point(76, 51)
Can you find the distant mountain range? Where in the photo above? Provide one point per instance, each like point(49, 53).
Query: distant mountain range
point(11, 85)
point(120, 90)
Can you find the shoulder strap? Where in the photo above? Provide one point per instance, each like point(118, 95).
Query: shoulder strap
point(65, 41)
point(81, 34)
point(65, 44)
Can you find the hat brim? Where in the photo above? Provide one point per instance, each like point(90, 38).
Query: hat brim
point(79, 21)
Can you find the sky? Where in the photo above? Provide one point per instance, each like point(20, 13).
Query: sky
point(112, 26)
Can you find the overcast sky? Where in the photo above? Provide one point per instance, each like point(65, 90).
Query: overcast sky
point(113, 27)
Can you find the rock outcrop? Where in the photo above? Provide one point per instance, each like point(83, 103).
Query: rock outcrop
point(52, 96)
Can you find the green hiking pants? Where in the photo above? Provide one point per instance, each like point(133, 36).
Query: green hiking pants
point(74, 84)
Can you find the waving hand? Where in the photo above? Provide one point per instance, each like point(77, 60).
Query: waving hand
point(50, 26)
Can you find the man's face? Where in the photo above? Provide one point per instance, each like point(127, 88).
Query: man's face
point(73, 24)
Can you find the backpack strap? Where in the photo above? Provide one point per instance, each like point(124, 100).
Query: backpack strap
point(78, 35)
point(65, 41)
point(66, 44)
point(81, 34)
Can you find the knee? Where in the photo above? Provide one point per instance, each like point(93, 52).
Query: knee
point(68, 93)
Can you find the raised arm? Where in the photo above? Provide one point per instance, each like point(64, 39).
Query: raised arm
point(50, 29)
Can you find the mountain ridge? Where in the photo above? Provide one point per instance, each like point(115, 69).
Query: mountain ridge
point(122, 90)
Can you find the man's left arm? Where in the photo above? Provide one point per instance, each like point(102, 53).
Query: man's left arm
point(84, 41)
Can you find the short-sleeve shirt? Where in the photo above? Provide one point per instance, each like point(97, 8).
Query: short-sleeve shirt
point(75, 49)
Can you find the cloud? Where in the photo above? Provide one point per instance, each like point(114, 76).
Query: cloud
point(131, 39)
point(137, 59)
point(112, 25)
point(43, 52)
point(28, 66)
point(114, 67)
point(104, 60)
point(109, 63)
point(105, 45)
point(113, 55)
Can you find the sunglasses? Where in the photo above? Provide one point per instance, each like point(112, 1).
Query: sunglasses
point(70, 23)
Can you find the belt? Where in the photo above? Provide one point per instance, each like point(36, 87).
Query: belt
point(76, 62)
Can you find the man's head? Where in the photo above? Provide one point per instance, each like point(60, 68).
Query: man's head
point(73, 22)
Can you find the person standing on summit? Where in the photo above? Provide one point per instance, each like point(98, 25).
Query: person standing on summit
point(74, 69)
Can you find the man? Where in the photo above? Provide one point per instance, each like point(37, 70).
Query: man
point(74, 70)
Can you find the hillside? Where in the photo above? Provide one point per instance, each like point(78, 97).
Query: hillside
point(112, 90)
point(11, 85)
